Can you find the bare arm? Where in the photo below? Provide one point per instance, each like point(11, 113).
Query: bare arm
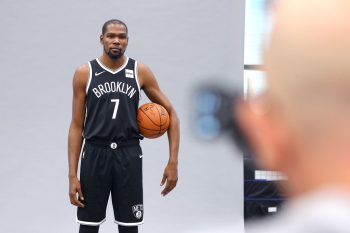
point(150, 86)
point(75, 132)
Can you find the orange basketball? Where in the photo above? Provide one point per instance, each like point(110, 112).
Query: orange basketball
point(153, 120)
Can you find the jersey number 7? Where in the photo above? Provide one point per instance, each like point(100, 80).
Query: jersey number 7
point(116, 101)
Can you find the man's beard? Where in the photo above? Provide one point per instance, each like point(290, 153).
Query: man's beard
point(115, 56)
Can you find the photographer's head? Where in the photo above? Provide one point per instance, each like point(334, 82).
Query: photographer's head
point(301, 125)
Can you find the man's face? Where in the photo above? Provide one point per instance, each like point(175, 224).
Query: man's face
point(115, 41)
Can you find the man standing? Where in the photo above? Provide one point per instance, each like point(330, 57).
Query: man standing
point(105, 101)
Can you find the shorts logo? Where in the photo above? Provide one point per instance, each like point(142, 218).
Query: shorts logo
point(137, 210)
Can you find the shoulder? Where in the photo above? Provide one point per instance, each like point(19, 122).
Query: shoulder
point(145, 74)
point(81, 75)
point(143, 69)
point(82, 70)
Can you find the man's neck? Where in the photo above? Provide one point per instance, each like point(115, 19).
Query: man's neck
point(112, 64)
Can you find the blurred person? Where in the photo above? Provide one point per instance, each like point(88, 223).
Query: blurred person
point(106, 94)
point(301, 124)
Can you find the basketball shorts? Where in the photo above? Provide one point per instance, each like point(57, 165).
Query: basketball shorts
point(116, 171)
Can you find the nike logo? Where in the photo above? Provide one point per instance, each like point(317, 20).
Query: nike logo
point(97, 74)
point(140, 156)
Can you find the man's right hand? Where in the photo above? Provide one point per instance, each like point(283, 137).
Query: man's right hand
point(74, 189)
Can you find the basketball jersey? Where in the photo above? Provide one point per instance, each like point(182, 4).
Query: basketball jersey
point(112, 99)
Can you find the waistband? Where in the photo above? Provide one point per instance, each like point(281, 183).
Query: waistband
point(113, 145)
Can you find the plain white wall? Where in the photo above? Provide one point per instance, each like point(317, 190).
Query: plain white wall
point(185, 42)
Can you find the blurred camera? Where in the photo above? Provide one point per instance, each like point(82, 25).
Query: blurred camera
point(215, 115)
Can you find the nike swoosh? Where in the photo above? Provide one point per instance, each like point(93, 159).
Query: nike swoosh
point(97, 74)
point(140, 156)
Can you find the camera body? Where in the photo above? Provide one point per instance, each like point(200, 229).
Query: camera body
point(215, 117)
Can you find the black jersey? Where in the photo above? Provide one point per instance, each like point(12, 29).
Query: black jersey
point(112, 99)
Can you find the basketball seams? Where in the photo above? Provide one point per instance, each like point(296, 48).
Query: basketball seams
point(160, 121)
point(167, 123)
point(147, 126)
point(148, 117)
point(149, 129)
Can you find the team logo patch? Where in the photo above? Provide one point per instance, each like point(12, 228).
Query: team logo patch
point(129, 73)
point(137, 210)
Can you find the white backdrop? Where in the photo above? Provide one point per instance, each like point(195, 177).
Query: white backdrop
point(183, 41)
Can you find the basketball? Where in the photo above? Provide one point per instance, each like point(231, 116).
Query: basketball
point(153, 120)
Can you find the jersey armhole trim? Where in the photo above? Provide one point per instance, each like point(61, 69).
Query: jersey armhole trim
point(90, 76)
point(137, 78)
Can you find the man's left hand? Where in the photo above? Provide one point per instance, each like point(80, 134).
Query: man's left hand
point(169, 178)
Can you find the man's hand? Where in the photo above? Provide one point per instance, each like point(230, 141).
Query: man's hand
point(170, 178)
point(74, 188)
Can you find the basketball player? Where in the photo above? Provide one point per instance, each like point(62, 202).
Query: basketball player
point(105, 101)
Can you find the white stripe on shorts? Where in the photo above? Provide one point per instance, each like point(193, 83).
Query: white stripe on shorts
point(90, 223)
point(126, 224)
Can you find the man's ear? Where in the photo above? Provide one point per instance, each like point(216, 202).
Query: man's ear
point(260, 135)
point(101, 38)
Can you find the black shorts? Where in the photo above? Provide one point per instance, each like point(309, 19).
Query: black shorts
point(118, 172)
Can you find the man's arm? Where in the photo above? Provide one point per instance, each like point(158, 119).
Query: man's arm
point(150, 86)
point(75, 133)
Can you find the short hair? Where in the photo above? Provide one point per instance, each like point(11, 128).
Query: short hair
point(113, 21)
